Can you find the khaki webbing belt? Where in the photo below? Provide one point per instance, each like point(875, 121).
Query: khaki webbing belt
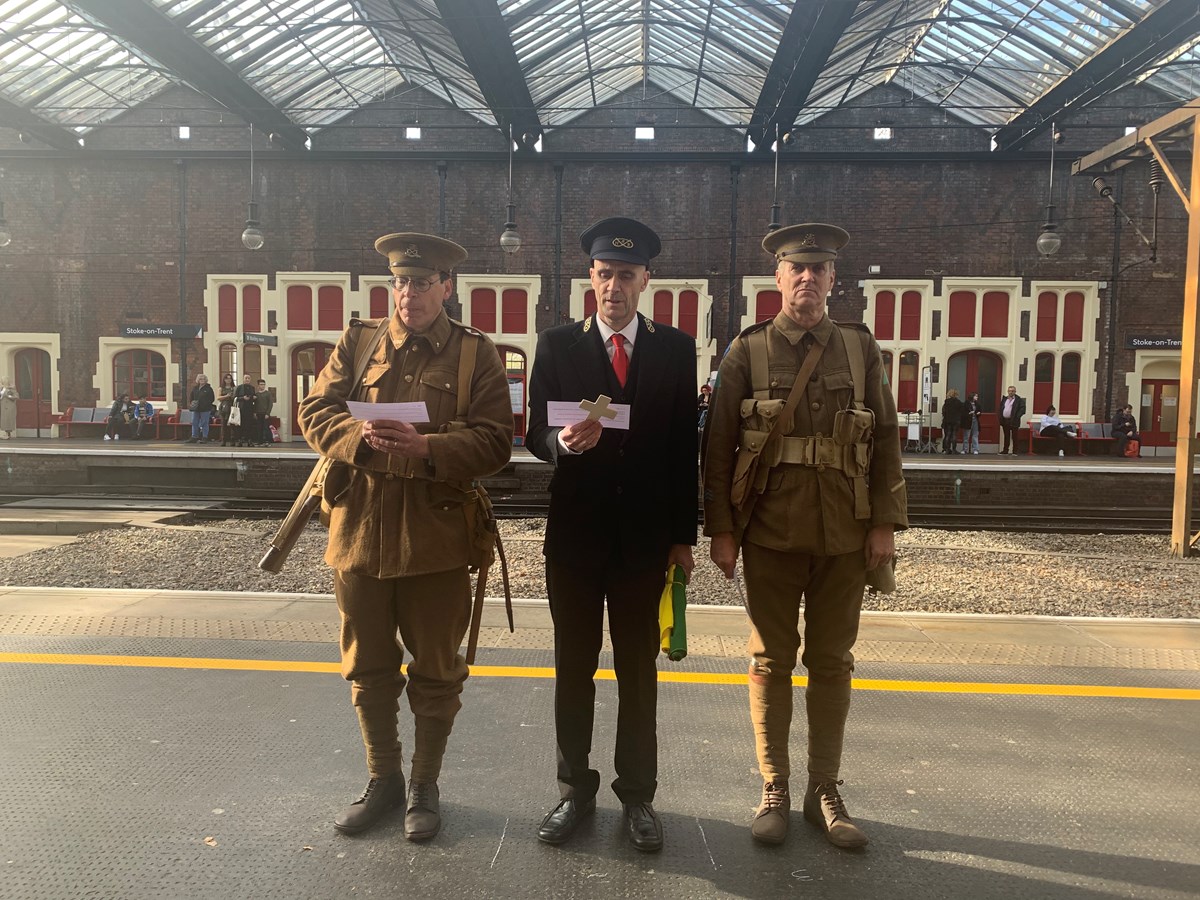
point(812, 451)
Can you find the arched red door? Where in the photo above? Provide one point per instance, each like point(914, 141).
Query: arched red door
point(980, 371)
point(307, 362)
point(33, 386)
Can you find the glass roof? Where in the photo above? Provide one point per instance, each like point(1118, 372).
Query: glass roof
point(316, 61)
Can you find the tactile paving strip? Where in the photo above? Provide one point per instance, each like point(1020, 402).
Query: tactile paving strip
point(499, 638)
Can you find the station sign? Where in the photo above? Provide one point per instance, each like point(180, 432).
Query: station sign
point(174, 332)
point(265, 340)
point(1153, 342)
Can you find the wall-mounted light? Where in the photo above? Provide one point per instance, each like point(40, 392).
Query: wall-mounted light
point(1049, 241)
point(252, 237)
point(510, 240)
point(5, 234)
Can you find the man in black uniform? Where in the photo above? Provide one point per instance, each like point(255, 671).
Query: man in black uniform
point(622, 509)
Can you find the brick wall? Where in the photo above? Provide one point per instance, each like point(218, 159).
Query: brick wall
point(96, 239)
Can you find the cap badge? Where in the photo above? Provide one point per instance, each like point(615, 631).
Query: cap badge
point(625, 243)
point(809, 240)
point(412, 252)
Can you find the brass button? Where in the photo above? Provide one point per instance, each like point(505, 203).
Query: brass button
point(775, 383)
point(814, 378)
point(820, 468)
point(447, 385)
point(816, 404)
point(390, 476)
point(408, 378)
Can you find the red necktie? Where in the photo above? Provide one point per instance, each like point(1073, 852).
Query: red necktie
point(620, 361)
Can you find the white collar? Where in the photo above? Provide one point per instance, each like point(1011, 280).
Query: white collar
point(629, 331)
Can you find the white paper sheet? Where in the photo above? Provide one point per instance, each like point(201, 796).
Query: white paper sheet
point(566, 412)
point(416, 411)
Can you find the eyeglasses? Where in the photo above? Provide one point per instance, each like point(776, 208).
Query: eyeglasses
point(419, 285)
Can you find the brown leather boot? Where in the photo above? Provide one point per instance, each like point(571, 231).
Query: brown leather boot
point(381, 797)
point(770, 825)
point(423, 818)
point(824, 807)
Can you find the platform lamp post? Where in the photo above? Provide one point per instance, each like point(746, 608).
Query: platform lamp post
point(1049, 241)
point(510, 239)
point(252, 237)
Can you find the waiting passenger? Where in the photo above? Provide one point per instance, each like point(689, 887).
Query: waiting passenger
point(1124, 429)
point(224, 405)
point(143, 418)
point(119, 415)
point(244, 398)
point(970, 424)
point(8, 407)
point(952, 412)
point(263, 401)
point(201, 403)
point(1053, 427)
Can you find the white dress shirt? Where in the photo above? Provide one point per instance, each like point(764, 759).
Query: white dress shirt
point(629, 332)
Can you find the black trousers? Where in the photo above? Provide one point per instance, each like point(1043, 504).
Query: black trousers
point(1010, 434)
point(577, 601)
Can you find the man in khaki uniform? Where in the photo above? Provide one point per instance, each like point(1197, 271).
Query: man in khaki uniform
point(398, 535)
point(825, 517)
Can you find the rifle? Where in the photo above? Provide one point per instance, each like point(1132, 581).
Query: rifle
point(303, 507)
point(309, 498)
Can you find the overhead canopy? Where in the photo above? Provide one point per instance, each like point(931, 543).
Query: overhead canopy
point(295, 66)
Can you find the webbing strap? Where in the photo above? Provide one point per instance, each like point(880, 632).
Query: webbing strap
point(858, 364)
point(760, 371)
point(466, 369)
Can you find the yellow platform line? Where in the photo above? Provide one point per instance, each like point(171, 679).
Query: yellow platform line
point(667, 677)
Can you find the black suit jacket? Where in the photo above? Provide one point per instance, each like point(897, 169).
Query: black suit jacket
point(627, 500)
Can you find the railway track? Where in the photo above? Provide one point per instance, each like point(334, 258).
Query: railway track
point(210, 506)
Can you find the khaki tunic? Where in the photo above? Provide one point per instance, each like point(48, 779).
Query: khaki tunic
point(804, 509)
point(400, 517)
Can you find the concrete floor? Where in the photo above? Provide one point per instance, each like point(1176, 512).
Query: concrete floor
point(184, 744)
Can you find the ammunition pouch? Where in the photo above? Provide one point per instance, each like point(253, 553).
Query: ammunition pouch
point(332, 488)
point(750, 470)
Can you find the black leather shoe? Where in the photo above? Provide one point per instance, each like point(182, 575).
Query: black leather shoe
point(381, 797)
point(560, 823)
point(643, 826)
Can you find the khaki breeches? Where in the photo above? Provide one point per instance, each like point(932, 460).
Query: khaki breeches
point(428, 615)
point(831, 589)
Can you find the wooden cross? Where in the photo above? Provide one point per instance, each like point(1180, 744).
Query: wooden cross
point(598, 408)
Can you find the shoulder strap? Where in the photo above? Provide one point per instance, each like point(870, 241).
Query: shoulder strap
point(760, 373)
point(466, 369)
point(858, 363)
point(364, 350)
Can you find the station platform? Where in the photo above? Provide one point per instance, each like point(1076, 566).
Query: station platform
point(164, 744)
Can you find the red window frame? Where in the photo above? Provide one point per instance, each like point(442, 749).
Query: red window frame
point(1043, 382)
point(483, 309)
point(252, 308)
point(664, 307)
point(1068, 389)
point(589, 303)
point(331, 310)
point(962, 314)
point(1047, 317)
point(767, 305)
point(227, 309)
point(909, 377)
point(299, 307)
point(514, 305)
point(994, 321)
point(1073, 316)
point(379, 302)
point(885, 316)
point(139, 370)
point(689, 312)
point(910, 316)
